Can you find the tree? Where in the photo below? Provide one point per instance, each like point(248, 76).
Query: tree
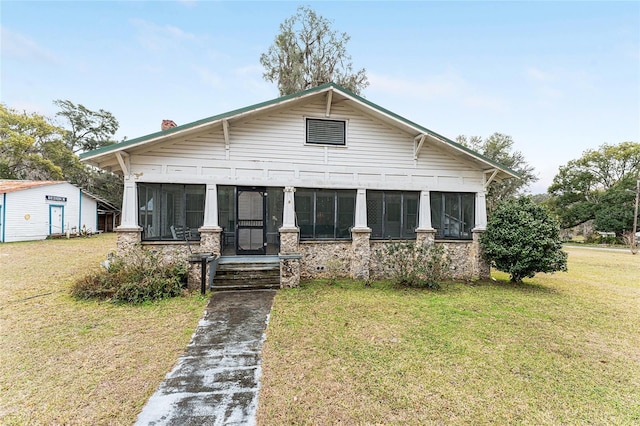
point(597, 187)
point(30, 147)
point(522, 239)
point(308, 53)
point(87, 129)
point(499, 148)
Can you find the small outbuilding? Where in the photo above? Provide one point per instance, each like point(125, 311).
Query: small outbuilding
point(34, 210)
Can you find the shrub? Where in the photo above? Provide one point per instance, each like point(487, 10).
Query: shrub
point(523, 239)
point(143, 276)
point(414, 265)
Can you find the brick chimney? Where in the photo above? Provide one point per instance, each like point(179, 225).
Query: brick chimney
point(167, 124)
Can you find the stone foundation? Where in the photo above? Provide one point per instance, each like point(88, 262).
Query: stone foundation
point(289, 270)
point(210, 240)
point(325, 259)
point(358, 258)
point(481, 268)
point(195, 272)
point(127, 239)
point(361, 249)
point(289, 257)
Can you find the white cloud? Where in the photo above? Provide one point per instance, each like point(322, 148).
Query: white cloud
point(249, 71)
point(551, 86)
point(537, 75)
point(436, 86)
point(449, 87)
point(161, 38)
point(21, 47)
point(207, 77)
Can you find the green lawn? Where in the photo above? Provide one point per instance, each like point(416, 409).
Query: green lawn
point(85, 363)
point(562, 348)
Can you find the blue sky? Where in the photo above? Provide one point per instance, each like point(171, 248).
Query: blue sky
point(559, 77)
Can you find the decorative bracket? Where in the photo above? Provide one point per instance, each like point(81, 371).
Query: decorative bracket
point(329, 99)
point(123, 160)
point(422, 137)
point(225, 131)
point(487, 182)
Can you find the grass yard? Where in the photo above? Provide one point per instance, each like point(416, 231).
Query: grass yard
point(559, 349)
point(69, 362)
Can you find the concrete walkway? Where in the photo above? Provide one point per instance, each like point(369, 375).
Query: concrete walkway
point(216, 381)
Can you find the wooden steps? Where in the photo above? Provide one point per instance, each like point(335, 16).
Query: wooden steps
point(247, 273)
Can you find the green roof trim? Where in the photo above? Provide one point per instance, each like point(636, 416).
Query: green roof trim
point(321, 88)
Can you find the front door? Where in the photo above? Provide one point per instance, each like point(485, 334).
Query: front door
point(250, 229)
point(56, 219)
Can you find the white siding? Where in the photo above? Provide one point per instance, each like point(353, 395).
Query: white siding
point(26, 212)
point(269, 149)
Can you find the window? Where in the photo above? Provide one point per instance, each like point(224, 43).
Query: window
point(453, 214)
point(325, 214)
point(326, 132)
point(392, 214)
point(170, 211)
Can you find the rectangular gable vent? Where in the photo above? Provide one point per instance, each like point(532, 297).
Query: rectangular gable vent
point(326, 132)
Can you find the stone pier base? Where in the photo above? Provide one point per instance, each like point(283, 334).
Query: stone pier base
point(361, 253)
point(127, 239)
point(289, 257)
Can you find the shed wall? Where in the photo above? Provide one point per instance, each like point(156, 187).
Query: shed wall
point(26, 213)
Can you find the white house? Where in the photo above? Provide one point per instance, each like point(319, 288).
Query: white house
point(318, 177)
point(33, 210)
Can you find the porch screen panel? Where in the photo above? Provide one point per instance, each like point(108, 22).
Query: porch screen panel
point(346, 213)
point(375, 215)
point(411, 202)
point(304, 204)
point(194, 209)
point(148, 215)
point(436, 213)
point(468, 202)
point(170, 214)
point(453, 214)
point(170, 211)
point(392, 214)
point(275, 204)
point(227, 214)
point(325, 214)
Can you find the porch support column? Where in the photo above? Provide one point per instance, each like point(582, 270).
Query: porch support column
point(211, 232)
point(425, 234)
point(480, 267)
point(481, 211)
point(128, 233)
point(360, 237)
point(289, 249)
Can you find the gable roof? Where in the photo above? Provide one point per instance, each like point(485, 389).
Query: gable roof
point(20, 185)
point(95, 156)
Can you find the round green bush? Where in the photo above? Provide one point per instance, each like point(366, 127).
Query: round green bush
point(522, 239)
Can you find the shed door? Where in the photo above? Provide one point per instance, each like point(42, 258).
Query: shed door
point(56, 219)
point(250, 230)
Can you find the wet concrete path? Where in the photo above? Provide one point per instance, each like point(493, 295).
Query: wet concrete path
point(216, 380)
